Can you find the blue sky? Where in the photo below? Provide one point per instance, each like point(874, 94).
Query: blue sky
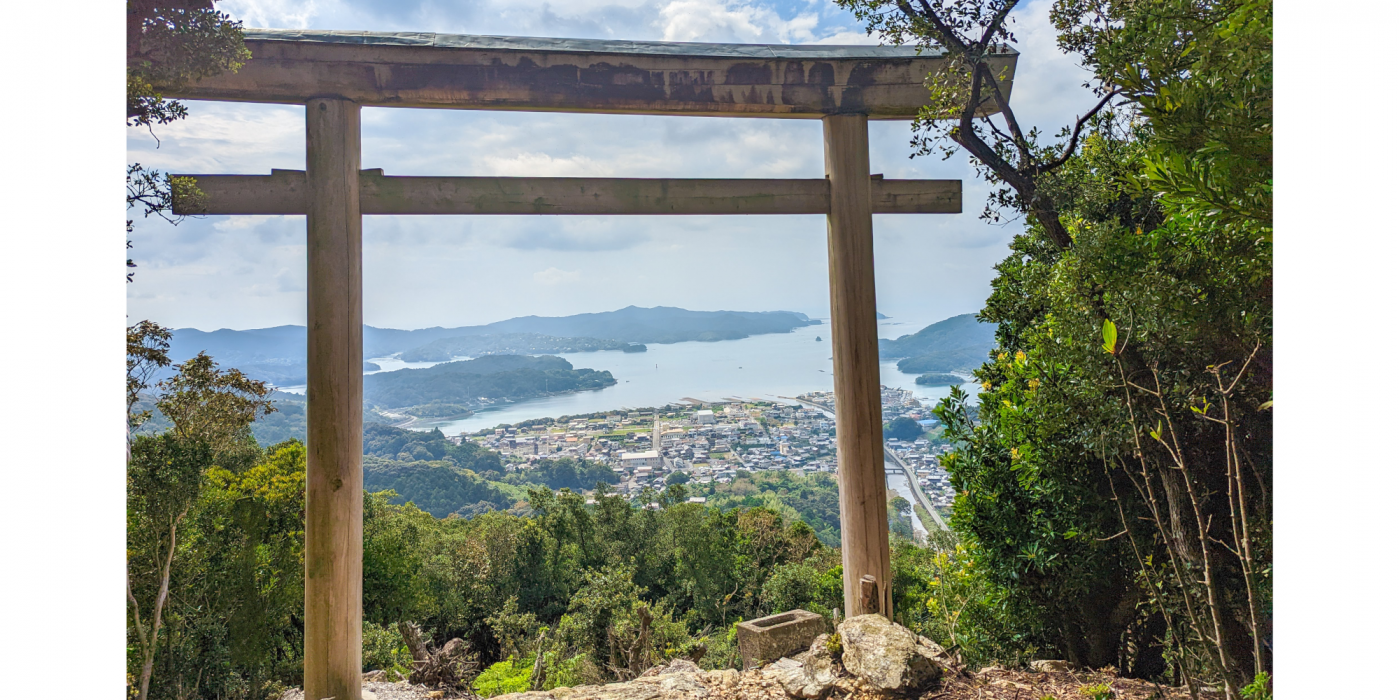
point(249, 272)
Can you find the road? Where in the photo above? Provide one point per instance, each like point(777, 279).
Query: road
point(913, 484)
point(917, 489)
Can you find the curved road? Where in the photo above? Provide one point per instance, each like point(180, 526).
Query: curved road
point(889, 455)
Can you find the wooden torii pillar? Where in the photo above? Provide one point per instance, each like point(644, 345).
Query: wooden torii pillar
point(335, 73)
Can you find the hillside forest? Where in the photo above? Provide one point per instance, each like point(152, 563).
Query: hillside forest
point(1114, 480)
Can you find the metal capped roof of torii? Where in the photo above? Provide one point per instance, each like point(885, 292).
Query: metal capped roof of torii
point(410, 69)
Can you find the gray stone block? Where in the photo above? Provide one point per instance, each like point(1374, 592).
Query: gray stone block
point(775, 636)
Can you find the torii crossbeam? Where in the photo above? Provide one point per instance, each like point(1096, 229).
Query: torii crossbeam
point(335, 73)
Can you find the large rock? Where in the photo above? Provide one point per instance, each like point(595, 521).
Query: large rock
point(888, 657)
point(810, 675)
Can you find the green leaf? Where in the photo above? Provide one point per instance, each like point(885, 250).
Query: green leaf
point(1110, 337)
point(1266, 405)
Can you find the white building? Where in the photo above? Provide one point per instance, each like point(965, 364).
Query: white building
point(634, 460)
point(705, 417)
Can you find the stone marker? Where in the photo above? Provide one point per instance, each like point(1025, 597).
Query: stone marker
point(775, 636)
point(888, 657)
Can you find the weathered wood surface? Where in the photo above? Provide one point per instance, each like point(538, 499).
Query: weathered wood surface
point(334, 401)
point(286, 192)
point(572, 75)
point(864, 519)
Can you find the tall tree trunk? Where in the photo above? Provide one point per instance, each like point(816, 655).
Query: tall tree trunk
point(149, 645)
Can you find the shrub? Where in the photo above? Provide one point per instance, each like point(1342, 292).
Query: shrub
point(508, 676)
point(384, 650)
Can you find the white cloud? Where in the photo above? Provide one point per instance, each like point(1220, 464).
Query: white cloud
point(237, 223)
point(422, 271)
point(553, 276)
point(695, 20)
point(543, 165)
point(733, 21)
point(848, 38)
point(281, 14)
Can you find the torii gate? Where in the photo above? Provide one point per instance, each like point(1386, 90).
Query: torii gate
point(335, 73)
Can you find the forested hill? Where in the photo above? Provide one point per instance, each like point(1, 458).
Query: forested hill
point(492, 377)
point(444, 349)
point(957, 343)
point(661, 324)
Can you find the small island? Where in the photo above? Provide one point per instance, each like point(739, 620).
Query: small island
point(939, 379)
point(634, 347)
point(371, 367)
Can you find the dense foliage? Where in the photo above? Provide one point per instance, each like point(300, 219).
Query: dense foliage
point(812, 499)
point(903, 428)
point(1115, 490)
point(412, 445)
point(564, 473)
point(591, 591)
point(588, 574)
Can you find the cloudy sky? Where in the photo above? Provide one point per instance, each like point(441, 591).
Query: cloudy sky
point(249, 272)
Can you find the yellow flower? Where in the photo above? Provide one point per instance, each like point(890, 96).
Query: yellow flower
point(1015, 453)
point(986, 386)
point(1000, 357)
point(1019, 357)
point(1034, 384)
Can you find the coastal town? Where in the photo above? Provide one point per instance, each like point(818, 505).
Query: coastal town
point(710, 442)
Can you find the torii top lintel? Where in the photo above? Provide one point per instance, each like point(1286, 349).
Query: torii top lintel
point(451, 71)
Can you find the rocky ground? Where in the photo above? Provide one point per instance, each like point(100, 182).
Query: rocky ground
point(991, 684)
point(870, 658)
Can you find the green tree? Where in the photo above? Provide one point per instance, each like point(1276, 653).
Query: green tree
point(163, 478)
point(242, 580)
point(1122, 453)
point(210, 412)
point(147, 352)
point(903, 428)
point(213, 406)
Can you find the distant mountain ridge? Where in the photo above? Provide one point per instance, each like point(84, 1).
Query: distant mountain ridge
point(278, 354)
point(957, 343)
point(444, 349)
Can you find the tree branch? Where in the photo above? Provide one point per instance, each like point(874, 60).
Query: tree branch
point(950, 38)
point(994, 24)
point(1003, 105)
point(1078, 129)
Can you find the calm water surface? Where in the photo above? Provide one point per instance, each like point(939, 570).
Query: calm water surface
point(762, 367)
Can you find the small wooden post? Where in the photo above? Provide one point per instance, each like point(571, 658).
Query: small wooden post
point(864, 522)
point(334, 394)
